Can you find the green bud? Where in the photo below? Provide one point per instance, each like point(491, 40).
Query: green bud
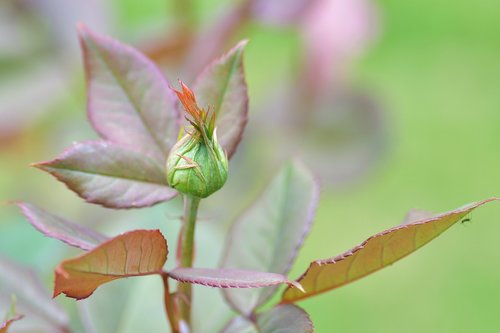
point(197, 165)
point(195, 168)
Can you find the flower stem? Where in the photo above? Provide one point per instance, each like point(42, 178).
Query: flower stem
point(186, 256)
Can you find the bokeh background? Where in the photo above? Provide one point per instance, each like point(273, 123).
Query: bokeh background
point(394, 104)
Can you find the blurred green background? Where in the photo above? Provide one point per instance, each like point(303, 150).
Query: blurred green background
point(434, 69)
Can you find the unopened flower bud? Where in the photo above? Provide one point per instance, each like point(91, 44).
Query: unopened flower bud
point(197, 165)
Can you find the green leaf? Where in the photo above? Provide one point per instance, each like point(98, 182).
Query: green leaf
point(135, 253)
point(240, 325)
point(269, 234)
point(126, 302)
point(129, 100)
point(111, 175)
point(58, 228)
point(222, 88)
point(377, 252)
point(282, 318)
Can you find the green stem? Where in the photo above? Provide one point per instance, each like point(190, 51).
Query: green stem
point(184, 289)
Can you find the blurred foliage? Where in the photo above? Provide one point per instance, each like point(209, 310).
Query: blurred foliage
point(433, 71)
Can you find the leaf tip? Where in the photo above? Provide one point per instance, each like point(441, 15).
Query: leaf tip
point(238, 48)
point(21, 205)
point(56, 293)
point(39, 165)
point(242, 43)
point(83, 32)
point(81, 28)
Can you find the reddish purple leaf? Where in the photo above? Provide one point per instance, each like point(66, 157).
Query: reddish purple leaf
point(31, 295)
point(280, 12)
point(5, 325)
point(129, 100)
point(58, 228)
point(229, 278)
point(282, 318)
point(135, 253)
point(360, 140)
point(111, 175)
point(209, 41)
point(222, 88)
point(377, 252)
point(269, 234)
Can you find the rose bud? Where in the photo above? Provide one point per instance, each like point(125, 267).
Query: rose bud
point(197, 165)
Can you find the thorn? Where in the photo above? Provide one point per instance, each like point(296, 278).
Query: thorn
point(192, 164)
point(187, 159)
point(184, 167)
point(298, 286)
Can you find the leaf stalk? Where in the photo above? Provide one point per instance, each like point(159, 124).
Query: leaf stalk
point(170, 307)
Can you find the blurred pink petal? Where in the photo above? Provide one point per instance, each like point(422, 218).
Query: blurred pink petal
point(335, 31)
